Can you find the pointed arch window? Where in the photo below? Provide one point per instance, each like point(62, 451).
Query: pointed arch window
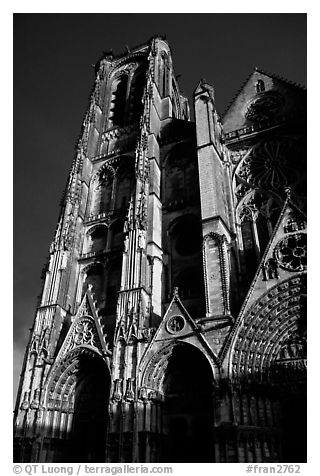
point(126, 96)
point(258, 216)
point(260, 87)
point(185, 266)
point(136, 94)
point(124, 188)
point(163, 73)
point(180, 178)
point(113, 285)
point(176, 112)
point(248, 241)
point(94, 277)
point(118, 101)
point(263, 231)
point(174, 106)
point(96, 239)
point(102, 193)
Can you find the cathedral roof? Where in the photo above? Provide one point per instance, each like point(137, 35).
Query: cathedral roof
point(287, 95)
point(280, 78)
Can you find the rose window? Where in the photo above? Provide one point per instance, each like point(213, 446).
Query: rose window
point(272, 164)
point(265, 107)
point(291, 252)
point(175, 324)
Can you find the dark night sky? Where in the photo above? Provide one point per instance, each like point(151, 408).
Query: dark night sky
point(53, 77)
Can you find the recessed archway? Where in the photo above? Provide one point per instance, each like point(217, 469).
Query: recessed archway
point(188, 407)
point(79, 393)
point(89, 426)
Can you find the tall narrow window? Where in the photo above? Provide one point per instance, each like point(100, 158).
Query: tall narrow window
point(124, 188)
point(175, 101)
point(113, 287)
point(160, 76)
point(180, 178)
point(260, 86)
point(101, 195)
point(163, 74)
point(94, 277)
point(97, 239)
point(118, 101)
point(136, 94)
point(249, 247)
point(258, 217)
point(263, 232)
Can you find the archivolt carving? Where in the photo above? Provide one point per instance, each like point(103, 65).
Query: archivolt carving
point(101, 226)
point(84, 333)
point(293, 348)
point(218, 239)
point(102, 173)
point(62, 380)
point(96, 265)
point(266, 326)
point(155, 369)
point(123, 69)
point(122, 66)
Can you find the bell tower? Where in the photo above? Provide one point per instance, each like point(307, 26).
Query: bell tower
point(103, 282)
point(171, 326)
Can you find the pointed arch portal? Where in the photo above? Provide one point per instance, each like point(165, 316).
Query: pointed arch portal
point(83, 388)
point(188, 407)
point(88, 432)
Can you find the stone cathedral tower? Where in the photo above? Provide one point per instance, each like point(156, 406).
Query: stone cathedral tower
point(171, 325)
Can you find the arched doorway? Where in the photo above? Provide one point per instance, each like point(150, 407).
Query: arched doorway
point(87, 441)
point(188, 407)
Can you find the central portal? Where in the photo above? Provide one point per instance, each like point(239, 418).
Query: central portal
point(188, 407)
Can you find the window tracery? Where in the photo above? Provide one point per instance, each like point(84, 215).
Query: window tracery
point(126, 95)
point(175, 324)
point(101, 193)
point(180, 178)
point(266, 106)
point(272, 165)
point(258, 213)
point(291, 252)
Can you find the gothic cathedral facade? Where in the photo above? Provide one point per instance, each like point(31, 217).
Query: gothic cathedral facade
point(172, 321)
